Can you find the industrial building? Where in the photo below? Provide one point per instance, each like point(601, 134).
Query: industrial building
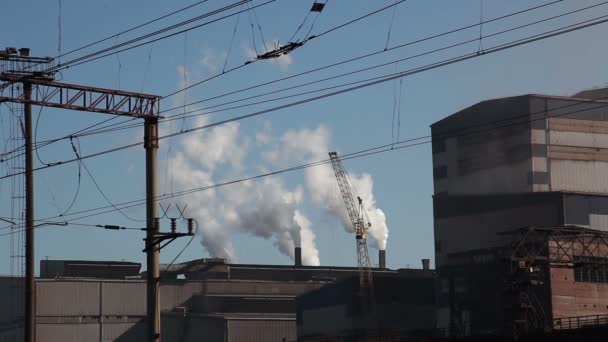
point(204, 298)
point(403, 307)
point(521, 213)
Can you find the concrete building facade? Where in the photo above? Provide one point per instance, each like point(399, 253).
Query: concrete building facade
point(531, 163)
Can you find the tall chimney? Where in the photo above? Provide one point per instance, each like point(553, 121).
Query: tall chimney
point(426, 264)
point(298, 257)
point(381, 258)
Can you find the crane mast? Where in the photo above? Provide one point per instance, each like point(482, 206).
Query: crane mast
point(359, 220)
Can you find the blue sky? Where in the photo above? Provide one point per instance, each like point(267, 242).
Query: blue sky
point(402, 179)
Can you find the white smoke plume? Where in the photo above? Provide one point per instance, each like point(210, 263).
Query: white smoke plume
point(313, 145)
point(265, 209)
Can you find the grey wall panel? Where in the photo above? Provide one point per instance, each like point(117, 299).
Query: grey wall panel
point(261, 330)
point(11, 300)
point(12, 335)
point(127, 298)
point(124, 332)
point(67, 298)
point(192, 329)
point(67, 332)
point(459, 233)
point(325, 320)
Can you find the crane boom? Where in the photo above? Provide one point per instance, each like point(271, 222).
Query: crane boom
point(358, 219)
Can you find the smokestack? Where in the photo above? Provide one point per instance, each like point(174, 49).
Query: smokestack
point(426, 264)
point(298, 257)
point(381, 258)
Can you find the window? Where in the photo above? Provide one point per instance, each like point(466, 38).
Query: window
point(591, 270)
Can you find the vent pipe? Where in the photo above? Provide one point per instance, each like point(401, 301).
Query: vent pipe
point(381, 258)
point(426, 264)
point(298, 257)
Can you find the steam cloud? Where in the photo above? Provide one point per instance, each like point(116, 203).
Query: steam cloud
point(265, 208)
point(321, 181)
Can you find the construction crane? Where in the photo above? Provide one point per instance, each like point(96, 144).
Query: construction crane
point(360, 221)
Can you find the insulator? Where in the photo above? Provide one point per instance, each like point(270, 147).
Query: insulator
point(190, 225)
point(173, 225)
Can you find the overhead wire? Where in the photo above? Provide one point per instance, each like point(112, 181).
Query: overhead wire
point(149, 35)
point(236, 25)
point(100, 55)
point(207, 110)
point(249, 62)
point(461, 58)
point(103, 194)
point(390, 28)
point(132, 28)
point(77, 192)
point(526, 118)
point(410, 43)
point(352, 59)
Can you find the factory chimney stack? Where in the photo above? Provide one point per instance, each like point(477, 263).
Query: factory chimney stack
point(298, 257)
point(381, 258)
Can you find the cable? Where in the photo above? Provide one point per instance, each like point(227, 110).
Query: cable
point(99, 54)
point(79, 180)
point(461, 58)
point(390, 28)
point(421, 40)
point(342, 62)
point(236, 25)
point(489, 126)
point(105, 196)
point(352, 21)
point(132, 28)
point(180, 252)
point(324, 33)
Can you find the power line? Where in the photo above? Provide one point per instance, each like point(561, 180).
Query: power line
point(412, 142)
point(249, 62)
point(132, 28)
point(206, 110)
point(417, 41)
point(461, 58)
point(317, 69)
point(100, 54)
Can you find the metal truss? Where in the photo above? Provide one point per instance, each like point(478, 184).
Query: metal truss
point(89, 99)
point(558, 244)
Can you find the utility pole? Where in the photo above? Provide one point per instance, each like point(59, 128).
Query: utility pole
point(39, 71)
point(152, 229)
point(30, 286)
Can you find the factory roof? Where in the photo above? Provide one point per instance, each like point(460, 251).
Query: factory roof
point(596, 95)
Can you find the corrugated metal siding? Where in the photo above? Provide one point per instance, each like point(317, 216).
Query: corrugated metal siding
point(67, 298)
point(124, 299)
point(579, 139)
point(67, 332)
point(261, 330)
point(581, 176)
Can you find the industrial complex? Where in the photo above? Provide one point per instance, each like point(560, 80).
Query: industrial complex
point(210, 299)
point(520, 209)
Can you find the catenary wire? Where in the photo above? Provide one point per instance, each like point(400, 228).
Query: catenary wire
point(461, 58)
point(206, 110)
point(339, 63)
point(370, 151)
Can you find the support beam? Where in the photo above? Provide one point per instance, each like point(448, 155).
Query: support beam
point(89, 99)
point(30, 286)
point(152, 244)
